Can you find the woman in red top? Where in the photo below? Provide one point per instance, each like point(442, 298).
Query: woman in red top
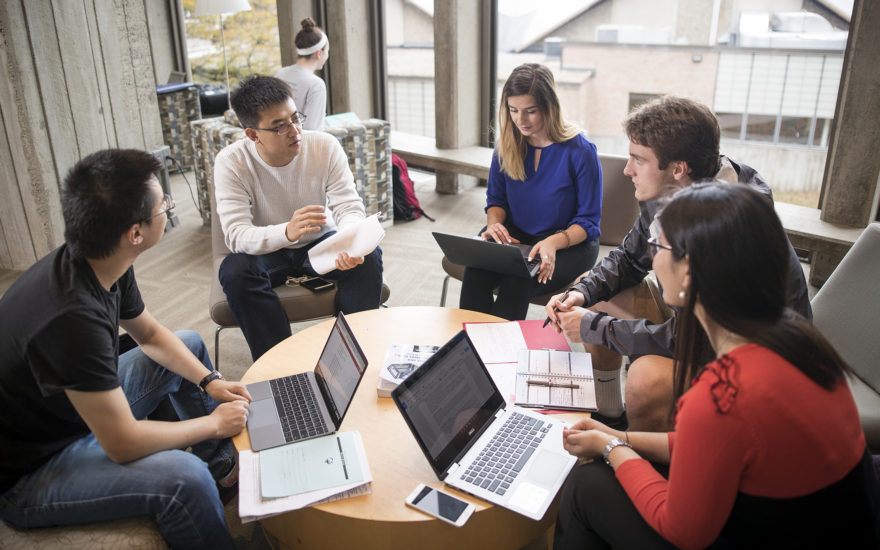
point(768, 449)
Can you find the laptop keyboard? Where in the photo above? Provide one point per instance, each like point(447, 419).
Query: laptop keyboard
point(497, 466)
point(298, 408)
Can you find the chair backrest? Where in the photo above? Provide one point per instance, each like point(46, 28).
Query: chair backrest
point(619, 205)
point(218, 243)
point(846, 308)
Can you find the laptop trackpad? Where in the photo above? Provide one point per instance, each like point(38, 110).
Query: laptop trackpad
point(546, 468)
point(262, 413)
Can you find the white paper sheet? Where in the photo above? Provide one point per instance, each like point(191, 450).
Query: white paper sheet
point(497, 342)
point(251, 506)
point(358, 240)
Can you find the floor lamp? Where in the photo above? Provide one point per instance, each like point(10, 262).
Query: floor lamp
point(218, 8)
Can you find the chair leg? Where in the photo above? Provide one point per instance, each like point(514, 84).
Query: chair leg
point(217, 348)
point(443, 293)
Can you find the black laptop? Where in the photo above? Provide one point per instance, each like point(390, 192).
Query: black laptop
point(510, 259)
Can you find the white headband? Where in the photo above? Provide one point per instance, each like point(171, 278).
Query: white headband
point(309, 51)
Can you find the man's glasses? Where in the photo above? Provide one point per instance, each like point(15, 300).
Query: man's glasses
point(655, 245)
point(284, 129)
point(168, 205)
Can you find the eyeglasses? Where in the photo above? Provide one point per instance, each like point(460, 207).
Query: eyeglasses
point(168, 205)
point(284, 129)
point(655, 245)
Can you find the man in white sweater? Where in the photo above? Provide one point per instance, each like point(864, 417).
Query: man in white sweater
point(273, 191)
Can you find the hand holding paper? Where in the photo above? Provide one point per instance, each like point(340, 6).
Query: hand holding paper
point(355, 240)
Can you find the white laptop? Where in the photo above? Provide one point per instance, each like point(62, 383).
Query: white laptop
point(309, 404)
point(458, 416)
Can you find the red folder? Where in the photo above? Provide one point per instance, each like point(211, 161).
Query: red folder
point(538, 337)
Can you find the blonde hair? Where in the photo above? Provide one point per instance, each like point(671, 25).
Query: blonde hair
point(537, 81)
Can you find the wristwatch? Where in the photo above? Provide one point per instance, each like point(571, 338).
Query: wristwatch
point(616, 442)
point(210, 377)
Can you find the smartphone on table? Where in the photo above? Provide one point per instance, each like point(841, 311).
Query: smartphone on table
point(441, 505)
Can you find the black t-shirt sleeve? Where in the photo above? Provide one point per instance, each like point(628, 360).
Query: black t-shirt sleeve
point(131, 304)
point(76, 351)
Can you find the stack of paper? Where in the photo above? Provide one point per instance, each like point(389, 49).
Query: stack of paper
point(301, 474)
point(401, 360)
point(357, 240)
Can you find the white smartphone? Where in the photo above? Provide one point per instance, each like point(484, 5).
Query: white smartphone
point(440, 505)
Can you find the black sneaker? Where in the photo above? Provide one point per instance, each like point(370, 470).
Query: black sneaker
point(616, 423)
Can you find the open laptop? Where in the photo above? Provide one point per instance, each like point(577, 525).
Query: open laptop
point(309, 404)
point(511, 259)
point(460, 419)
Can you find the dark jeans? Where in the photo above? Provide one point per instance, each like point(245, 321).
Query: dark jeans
point(596, 513)
point(514, 293)
point(176, 488)
point(248, 281)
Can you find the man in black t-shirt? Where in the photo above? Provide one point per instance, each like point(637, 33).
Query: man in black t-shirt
point(75, 444)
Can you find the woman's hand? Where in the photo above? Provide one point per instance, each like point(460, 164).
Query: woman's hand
point(546, 250)
point(498, 233)
point(585, 443)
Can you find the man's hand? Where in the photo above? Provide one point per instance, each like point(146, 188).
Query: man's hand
point(307, 219)
point(556, 305)
point(222, 391)
point(230, 418)
point(344, 261)
point(498, 233)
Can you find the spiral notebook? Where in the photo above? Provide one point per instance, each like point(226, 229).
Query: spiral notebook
point(552, 379)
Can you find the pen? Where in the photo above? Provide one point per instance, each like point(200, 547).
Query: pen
point(551, 384)
point(547, 320)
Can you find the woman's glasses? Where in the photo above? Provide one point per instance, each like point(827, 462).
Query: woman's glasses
point(655, 245)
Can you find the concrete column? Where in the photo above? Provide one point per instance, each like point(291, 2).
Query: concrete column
point(351, 57)
point(290, 15)
point(850, 184)
point(457, 77)
point(79, 77)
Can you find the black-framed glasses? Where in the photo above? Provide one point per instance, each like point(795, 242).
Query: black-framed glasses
point(168, 205)
point(284, 129)
point(655, 245)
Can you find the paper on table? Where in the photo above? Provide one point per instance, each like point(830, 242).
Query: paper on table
point(358, 240)
point(319, 463)
point(251, 506)
point(496, 342)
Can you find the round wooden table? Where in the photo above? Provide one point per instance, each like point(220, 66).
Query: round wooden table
point(381, 519)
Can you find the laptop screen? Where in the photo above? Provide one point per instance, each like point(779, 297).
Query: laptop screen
point(448, 401)
point(340, 368)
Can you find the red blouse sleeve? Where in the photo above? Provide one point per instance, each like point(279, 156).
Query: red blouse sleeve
point(710, 452)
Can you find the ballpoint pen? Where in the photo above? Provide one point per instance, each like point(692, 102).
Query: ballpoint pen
point(564, 296)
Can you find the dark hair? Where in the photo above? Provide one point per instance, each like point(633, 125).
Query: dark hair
point(738, 257)
point(255, 94)
point(677, 128)
point(537, 81)
point(309, 35)
point(104, 195)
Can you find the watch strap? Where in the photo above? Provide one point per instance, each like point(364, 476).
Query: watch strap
point(210, 377)
point(616, 442)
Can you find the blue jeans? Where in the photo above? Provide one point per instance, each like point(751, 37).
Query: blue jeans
point(248, 281)
point(81, 484)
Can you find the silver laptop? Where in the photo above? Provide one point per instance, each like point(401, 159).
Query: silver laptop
point(309, 404)
point(507, 455)
point(510, 259)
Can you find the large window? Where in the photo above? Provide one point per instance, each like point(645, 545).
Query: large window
point(409, 38)
point(251, 43)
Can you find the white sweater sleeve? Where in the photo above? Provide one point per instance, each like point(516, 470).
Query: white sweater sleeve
point(234, 186)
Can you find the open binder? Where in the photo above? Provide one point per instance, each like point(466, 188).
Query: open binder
point(552, 379)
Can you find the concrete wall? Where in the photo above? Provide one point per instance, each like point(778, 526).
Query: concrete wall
point(79, 77)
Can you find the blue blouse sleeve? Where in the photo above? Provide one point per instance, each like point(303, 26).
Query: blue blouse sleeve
point(588, 189)
point(496, 192)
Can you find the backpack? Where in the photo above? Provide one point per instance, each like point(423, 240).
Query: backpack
point(406, 204)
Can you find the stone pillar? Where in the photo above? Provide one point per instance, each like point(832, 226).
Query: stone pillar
point(850, 183)
point(78, 78)
point(351, 57)
point(457, 78)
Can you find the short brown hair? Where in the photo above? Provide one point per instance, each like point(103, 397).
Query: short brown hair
point(677, 128)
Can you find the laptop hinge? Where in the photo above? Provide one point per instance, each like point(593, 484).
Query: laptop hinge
point(500, 412)
point(452, 469)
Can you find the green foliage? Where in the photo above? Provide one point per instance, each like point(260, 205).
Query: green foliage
point(251, 43)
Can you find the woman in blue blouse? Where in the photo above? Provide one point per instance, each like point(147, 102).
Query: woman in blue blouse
point(545, 189)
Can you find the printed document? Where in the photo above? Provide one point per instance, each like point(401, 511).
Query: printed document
point(358, 240)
